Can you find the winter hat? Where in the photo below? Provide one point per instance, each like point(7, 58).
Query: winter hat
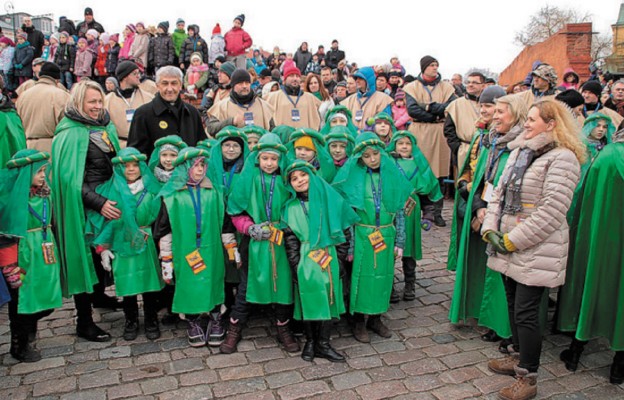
point(593, 87)
point(239, 75)
point(55, 36)
point(50, 69)
point(425, 62)
point(64, 34)
point(342, 84)
point(338, 115)
point(216, 30)
point(570, 97)
point(270, 143)
point(22, 35)
point(88, 11)
point(140, 23)
point(114, 37)
point(196, 55)
point(227, 68)
point(93, 33)
point(124, 69)
point(221, 59)
point(547, 73)
point(131, 27)
point(164, 25)
point(241, 18)
point(490, 94)
point(105, 37)
point(265, 73)
point(180, 21)
point(82, 40)
point(113, 80)
point(291, 70)
point(400, 95)
point(38, 61)
point(305, 141)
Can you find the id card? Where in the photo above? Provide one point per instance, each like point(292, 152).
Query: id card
point(49, 256)
point(488, 192)
point(249, 118)
point(410, 204)
point(359, 114)
point(196, 262)
point(276, 236)
point(231, 251)
point(294, 115)
point(129, 116)
point(377, 241)
point(321, 257)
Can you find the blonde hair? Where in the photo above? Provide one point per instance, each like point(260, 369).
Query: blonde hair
point(567, 132)
point(78, 94)
point(517, 108)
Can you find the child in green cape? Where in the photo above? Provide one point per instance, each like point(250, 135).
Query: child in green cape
point(383, 126)
point(255, 205)
point(316, 217)
point(309, 145)
point(30, 264)
point(339, 145)
point(165, 152)
point(373, 185)
point(254, 133)
point(126, 245)
point(339, 115)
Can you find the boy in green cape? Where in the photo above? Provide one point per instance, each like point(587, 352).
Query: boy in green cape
point(309, 145)
point(372, 184)
point(165, 152)
point(191, 245)
point(339, 145)
point(339, 115)
point(126, 245)
point(34, 272)
point(255, 205)
point(316, 217)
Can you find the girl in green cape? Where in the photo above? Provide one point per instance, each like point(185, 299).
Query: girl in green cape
point(34, 276)
point(126, 245)
point(372, 184)
point(339, 115)
point(165, 152)
point(317, 219)
point(189, 232)
point(340, 144)
point(255, 205)
point(309, 145)
point(254, 133)
point(415, 168)
point(383, 125)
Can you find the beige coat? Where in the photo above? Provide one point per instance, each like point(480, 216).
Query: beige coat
point(308, 107)
point(117, 108)
point(540, 230)
point(430, 136)
point(464, 113)
point(41, 108)
point(376, 104)
point(262, 112)
point(529, 98)
point(139, 48)
point(149, 86)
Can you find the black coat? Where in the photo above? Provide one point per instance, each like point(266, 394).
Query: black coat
point(112, 58)
point(333, 57)
point(161, 51)
point(193, 44)
point(36, 39)
point(23, 56)
point(84, 26)
point(67, 25)
point(98, 169)
point(65, 56)
point(158, 119)
point(301, 59)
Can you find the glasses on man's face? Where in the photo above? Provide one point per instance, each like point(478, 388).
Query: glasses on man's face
point(135, 73)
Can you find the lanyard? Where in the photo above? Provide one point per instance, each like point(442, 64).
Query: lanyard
point(365, 101)
point(409, 178)
point(585, 109)
point(428, 91)
point(197, 208)
point(376, 197)
point(131, 99)
point(142, 197)
point(268, 204)
point(228, 182)
point(43, 219)
point(294, 103)
point(494, 160)
point(305, 210)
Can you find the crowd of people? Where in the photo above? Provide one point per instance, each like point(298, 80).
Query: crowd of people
point(228, 184)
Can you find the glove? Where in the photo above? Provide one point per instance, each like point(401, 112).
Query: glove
point(398, 252)
point(496, 240)
point(18, 66)
point(107, 256)
point(167, 271)
point(13, 275)
point(462, 189)
point(259, 232)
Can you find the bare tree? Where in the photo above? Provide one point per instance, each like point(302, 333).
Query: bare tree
point(602, 46)
point(546, 22)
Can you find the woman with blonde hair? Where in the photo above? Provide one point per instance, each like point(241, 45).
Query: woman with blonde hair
point(527, 232)
point(314, 85)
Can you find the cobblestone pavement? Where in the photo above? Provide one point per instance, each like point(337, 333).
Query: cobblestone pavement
point(427, 358)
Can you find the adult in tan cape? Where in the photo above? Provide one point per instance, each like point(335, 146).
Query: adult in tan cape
point(366, 102)
point(542, 86)
point(591, 92)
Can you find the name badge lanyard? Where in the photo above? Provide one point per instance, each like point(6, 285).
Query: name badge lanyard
point(197, 207)
point(43, 219)
point(131, 99)
point(494, 160)
point(362, 104)
point(141, 198)
point(376, 198)
point(294, 103)
point(409, 178)
point(585, 109)
point(228, 181)
point(268, 204)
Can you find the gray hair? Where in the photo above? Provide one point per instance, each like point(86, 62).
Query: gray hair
point(619, 82)
point(169, 70)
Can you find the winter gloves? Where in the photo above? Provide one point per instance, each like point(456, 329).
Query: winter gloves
point(259, 232)
point(166, 258)
point(107, 257)
point(8, 263)
point(500, 242)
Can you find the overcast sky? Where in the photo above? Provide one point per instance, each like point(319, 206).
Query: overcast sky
point(460, 34)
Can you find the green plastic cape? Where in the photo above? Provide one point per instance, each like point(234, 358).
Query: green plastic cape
point(173, 140)
point(216, 173)
point(12, 137)
point(206, 144)
point(340, 134)
point(352, 129)
point(323, 161)
point(283, 131)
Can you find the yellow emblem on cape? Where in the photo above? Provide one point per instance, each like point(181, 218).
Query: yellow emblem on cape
point(163, 125)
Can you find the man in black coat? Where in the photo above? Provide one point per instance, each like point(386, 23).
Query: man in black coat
point(334, 56)
point(35, 37)
point(166, 115)
point(88, 23)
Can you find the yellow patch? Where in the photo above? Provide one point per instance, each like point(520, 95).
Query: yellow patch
point(163, 125)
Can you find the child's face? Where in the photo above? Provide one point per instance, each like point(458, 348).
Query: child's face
point(382, 128)
point(198, 171)
point(39, 178)
point(231, 150)
point(132, 171)
point(371, 158)
point(600, 130)
point(252, 140)
point(399, 103)
point(268, 162)
point(81, 45)
point(305, 154)
point(110, 86)
point(196, 61)
point(404, 147)
point(90, 37)
point(167, 158)
point(338, 150)
point(63, 39)
point(337, 122)
point(111, 43)
point(300, 181)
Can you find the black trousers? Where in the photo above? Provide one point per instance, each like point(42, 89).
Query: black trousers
point(22, 324)
point(150, 306)
point(523, 304)
point(83, 301)
point(409, 269)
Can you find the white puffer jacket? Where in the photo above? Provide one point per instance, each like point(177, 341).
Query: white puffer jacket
point(539, 230)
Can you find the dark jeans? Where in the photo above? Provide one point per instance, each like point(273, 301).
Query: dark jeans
point(84, 301)
point(524, 306)
point(150, 306)
point(22, 324)
point(409, 269)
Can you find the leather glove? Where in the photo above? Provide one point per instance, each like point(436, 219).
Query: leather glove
point(259, 232)
point(167, 271)
point(107, 257)
point(496, 240)
point(462, 189)
point(13, 275)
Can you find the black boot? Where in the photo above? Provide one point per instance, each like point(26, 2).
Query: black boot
point(21, 350)
point(490, 336)
point(617, 369)
point(310, 330)
point(152, 330)
point(572, 355)
point(437, 210)
point(394, 296)
point(101, 300)
point(323, 349)
point(32, 332)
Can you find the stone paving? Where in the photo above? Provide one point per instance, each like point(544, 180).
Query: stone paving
point(427, 358)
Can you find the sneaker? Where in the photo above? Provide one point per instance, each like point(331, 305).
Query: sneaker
point(131, 329)
point(524, 388)
point(196, 335)
point(215, 333)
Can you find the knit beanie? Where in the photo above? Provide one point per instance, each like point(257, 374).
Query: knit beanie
point(114, 38)
point(593, 87)
point(571, 97)
point(140, 23)
point(291, 70)
point(131, 27)
point(50, 69)
point(64, 34)
point(180, 21)
point(425, 62)
point(305, 141)
point(93, 33)
point(164, 25)
point(490, 94)
point(196, 55)
point(22, 35)
point(338, 115)
point(399, 95)
point(216, 30)
point(227, 68)
point(105, 37)
point(241, 18)
point(239, 75)
point(124, 69)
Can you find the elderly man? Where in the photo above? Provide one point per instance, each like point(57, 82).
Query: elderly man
point(367, 102)
point(165, 115)
point(294, 107)
point(616, 101)
point(241, 109)
point(42, 107)
point(461, 116)
point(88, 23)
point(124, 100)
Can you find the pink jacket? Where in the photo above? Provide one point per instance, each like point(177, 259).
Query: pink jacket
point(400, 117)
point(125, 49)
point(82, 65)
point(237, 41)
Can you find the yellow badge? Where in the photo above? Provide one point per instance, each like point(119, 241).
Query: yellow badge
point(196, 262)
point(377, 241)
point(163, 124)
point(276, 236)
point(321, 257)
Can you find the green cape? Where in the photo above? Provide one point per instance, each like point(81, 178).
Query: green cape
point(216, 172)
point(340, 134)
point(352, 129)
point(173, 140)
point(326, 168)
point(206, 144)
point(283, 131)
point(12, 137)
